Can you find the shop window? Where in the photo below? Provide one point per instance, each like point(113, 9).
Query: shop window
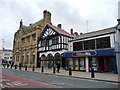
point(76, 64)
point(70, 64)
point(103, 43)
point(94, 64)
point(82, 64)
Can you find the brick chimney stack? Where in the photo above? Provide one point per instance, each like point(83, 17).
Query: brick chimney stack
point(118, 21)
point(47, 16)
point(71, 31)
point(59, 25)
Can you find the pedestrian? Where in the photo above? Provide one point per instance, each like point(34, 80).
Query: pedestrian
point(8, 64)
point(58, 67)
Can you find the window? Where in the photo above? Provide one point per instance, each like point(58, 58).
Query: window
point(43, 43)
point(55, 40)
point(27, 59)
point(77, 46)
point(23, 40)
point(89, 45)
point(103, 42)
point(65, 39)
point(6, 58)
point(28, 39)
point(33, 59)
point(34, 37)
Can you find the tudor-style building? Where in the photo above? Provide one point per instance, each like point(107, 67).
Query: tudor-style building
point(52, 43)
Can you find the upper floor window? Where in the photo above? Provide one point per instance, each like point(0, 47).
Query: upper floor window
point(28, 39)
point(23, 40)
point(34, 37)
point(55, 40)
point(77, 46)
point(89, 44)
point(43, 43)
point(103, 42)
point(65, 39)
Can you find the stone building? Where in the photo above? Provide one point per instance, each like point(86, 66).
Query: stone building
point(25, 41)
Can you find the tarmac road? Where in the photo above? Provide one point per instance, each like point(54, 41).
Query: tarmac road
point(41, 80)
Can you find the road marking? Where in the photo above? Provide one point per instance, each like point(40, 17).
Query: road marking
point(14, 81)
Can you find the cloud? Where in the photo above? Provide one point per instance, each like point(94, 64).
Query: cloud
point(70, 13)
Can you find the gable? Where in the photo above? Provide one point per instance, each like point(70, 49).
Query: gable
point(48, 32)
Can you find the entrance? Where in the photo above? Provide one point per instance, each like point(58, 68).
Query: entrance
point(104, 64)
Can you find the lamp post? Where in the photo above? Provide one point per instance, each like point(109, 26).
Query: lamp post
point(117, 46)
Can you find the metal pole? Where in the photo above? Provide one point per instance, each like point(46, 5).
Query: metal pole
point(117, 46)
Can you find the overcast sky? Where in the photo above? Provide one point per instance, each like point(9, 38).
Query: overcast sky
point(74, 14)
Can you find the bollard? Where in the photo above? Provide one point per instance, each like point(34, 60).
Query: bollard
point(70, 71)
point(33, 69)
point(15, 66)
point(26, 68)
point(92, 73)
point(53, 70)
point(11, 66)
point(42, 70)
point(20, 67)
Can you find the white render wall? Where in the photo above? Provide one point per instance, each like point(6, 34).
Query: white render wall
point(4, 54)
point(112, 40)
point(52, 52)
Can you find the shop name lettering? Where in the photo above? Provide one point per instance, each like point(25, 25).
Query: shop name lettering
point(83, 54)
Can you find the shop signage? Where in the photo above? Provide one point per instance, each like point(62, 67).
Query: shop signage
point(83, 54)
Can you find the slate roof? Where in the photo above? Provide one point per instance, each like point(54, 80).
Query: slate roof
point(60, 31)
point(95, 33)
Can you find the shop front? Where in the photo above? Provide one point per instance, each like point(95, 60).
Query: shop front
point(99, 60)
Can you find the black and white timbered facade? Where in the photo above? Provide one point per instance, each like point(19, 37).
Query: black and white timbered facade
point(53, 42)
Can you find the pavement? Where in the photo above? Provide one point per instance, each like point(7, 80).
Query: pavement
point(108, 77)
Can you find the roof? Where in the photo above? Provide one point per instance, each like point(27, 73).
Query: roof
point(6, 50)
point(95, 33)
point(60, 31)
point(32, 25)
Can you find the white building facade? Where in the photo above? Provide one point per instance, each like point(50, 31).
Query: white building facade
point(93, 50)
point(53, 42)
point(6, 54)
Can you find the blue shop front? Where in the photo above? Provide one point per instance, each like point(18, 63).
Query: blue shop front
point(100, 60)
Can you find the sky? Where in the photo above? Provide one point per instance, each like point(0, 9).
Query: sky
point(81, 15)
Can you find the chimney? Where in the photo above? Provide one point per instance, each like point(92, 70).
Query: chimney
point(81, 33)
point(47, 16)
point(59, 25)
point(118, 21)
point(71, 31)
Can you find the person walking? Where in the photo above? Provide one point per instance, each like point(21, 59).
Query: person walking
point(58, 67)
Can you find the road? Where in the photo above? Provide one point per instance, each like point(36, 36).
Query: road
point(23, 79)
